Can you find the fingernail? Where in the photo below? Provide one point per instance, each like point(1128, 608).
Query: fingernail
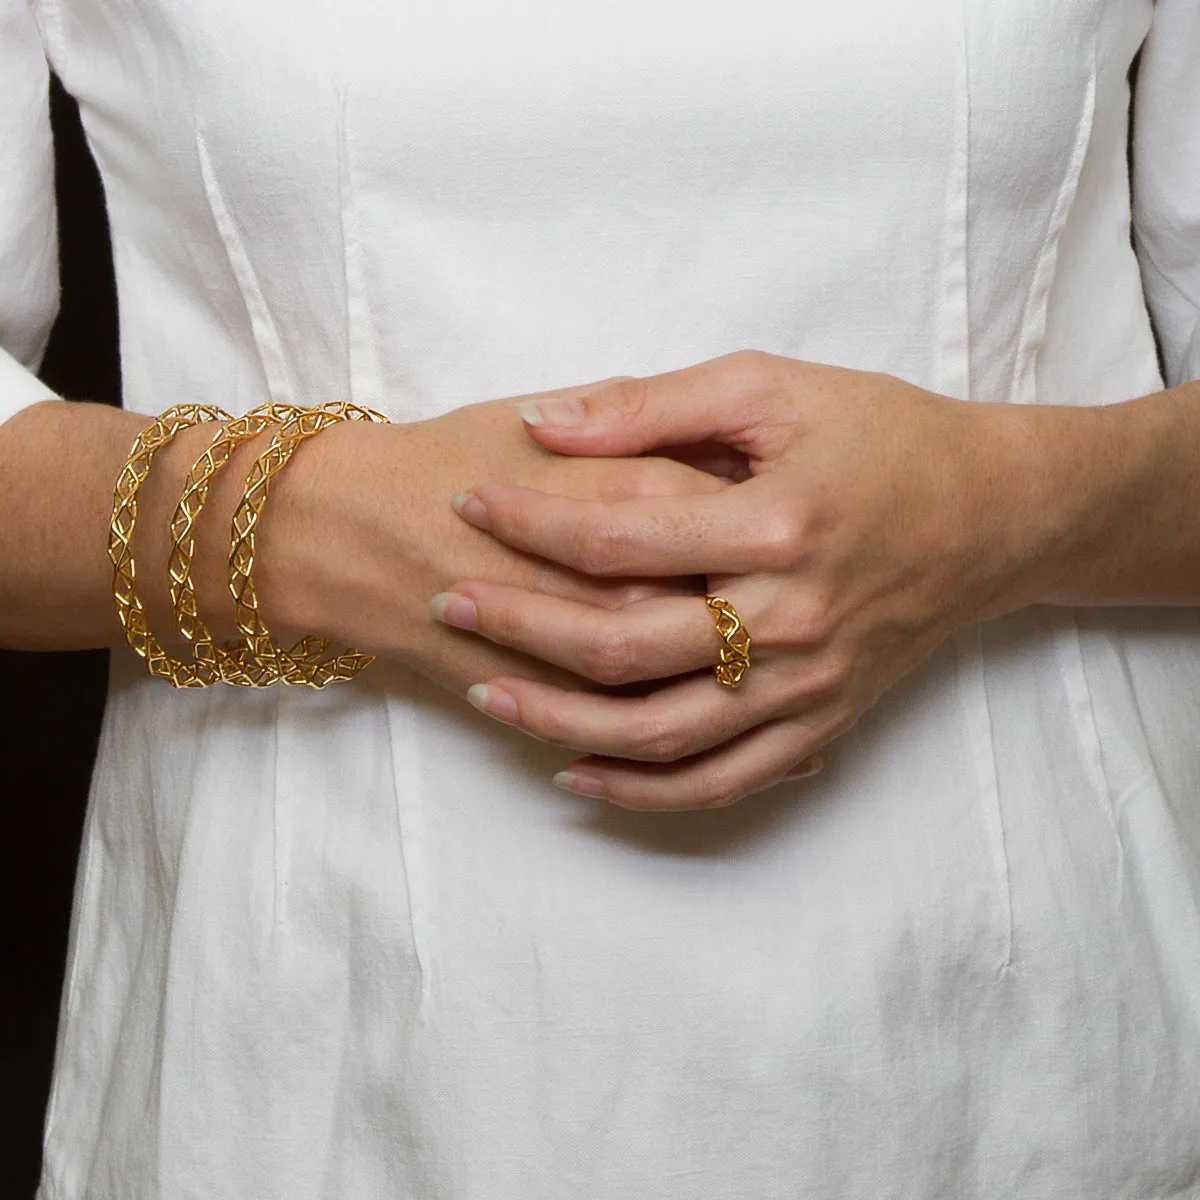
point(807, 769)
point(550, 412)
point(452, 609)
point(470, 508)
point(582, 783)
point(493, 702)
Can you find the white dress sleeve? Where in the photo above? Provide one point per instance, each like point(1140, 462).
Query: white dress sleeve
point(28, 231)
point(1166, 182)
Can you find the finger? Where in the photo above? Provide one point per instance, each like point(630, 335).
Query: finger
point(452, 659)
point(651, 639)
point(739, 530)
point(681, 718)
point(723, 398)
point(760, 758)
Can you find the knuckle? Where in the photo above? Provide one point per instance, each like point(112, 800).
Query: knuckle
point(513, 519)
point(809, 620)
point(660, 742)
point(781, 539)
point(550, 727)
point(628, 396)
point(721, 791)
point(750, 363)
point(609, 656)
point(600, 546)
point(502, 623)
point(756, 372)
point(831, 677)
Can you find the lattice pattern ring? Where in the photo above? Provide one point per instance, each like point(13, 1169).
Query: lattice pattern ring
point(735, 642)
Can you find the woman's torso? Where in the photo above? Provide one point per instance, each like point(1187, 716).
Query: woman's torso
point(353, 944)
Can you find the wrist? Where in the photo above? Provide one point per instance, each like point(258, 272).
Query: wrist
point(1065, 477)
point(318, 539)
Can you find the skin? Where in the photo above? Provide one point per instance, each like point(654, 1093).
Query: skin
point(872, 519)
point(354, 537)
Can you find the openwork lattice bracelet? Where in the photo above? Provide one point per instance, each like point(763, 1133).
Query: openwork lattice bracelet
point(230, 664)
point(130, 611)
point(259, 642)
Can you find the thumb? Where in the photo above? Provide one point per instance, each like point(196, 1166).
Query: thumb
point(627, 416)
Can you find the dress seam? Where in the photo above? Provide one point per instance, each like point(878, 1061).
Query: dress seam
point(1031, 331)
point(264, 332)
point(47, 16)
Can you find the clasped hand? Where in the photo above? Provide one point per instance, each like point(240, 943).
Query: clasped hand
point(866, 519)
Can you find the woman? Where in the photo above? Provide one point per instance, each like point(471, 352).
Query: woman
point(351, 943)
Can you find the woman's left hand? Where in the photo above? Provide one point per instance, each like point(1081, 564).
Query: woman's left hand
point(872, 519)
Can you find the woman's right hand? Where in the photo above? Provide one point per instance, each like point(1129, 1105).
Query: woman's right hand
point(358, 534)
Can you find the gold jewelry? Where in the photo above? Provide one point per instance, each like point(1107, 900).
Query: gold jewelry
point(259, 643)
point(735, 642)
point(231, 664)
point(129, 607)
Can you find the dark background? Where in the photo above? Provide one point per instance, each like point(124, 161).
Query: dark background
point(53, 704)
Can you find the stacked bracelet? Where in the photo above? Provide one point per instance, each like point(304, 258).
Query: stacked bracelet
point(230, 664)
point(258, 662)
point(260, 644)
point(129, 607)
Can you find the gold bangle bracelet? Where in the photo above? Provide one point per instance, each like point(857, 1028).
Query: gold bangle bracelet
point(259, 642)
point(130, 611)
point(232, 664)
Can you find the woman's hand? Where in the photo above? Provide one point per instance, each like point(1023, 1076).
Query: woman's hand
point(873, 519)
point(357, 535)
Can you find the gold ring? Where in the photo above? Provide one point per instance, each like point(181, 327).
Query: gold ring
point(735, 642)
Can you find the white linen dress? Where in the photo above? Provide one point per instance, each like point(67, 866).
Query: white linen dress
point(353, 944)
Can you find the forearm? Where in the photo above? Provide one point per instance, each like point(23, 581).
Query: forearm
point(1107, 500)
point(58, 465)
